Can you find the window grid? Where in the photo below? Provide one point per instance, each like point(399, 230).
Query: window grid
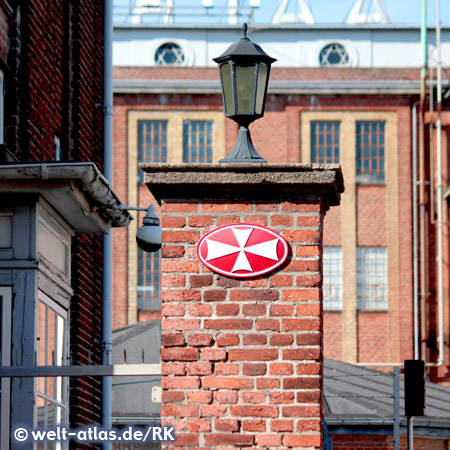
point(334, 55)
point(372, 278)
point(149, 290)
point(332, 278)
point(370, 152)
point(197, 141)
point(152, 143)
point(325, 142)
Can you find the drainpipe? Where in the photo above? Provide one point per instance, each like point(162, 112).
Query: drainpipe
point(107, 238)
point(422, 192)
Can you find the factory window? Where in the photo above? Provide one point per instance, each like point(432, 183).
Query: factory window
point(169, 54)
point(334, 55)
point(332, 278)
point(148, 289)
point(372, 278)
point(197, 141)
point(152, 143)
point(52, 392)
point(370, 152)
point(325, 142)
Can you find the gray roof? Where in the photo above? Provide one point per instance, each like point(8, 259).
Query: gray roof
point(132, 396)
point(357, 395)
point(354, 395)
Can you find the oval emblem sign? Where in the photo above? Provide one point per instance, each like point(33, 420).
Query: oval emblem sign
point(242, 250)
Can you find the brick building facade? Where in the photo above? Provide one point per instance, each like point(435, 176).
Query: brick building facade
point(51, 151)
point(289, 133)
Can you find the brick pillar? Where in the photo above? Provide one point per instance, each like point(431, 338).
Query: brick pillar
point(242, 358)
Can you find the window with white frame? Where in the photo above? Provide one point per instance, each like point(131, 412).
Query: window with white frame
point(5, 360)
point(332, 278)
point(372, 278)
point(52, 349)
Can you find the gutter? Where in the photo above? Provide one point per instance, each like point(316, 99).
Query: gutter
point(91, 180)
point(322, 87)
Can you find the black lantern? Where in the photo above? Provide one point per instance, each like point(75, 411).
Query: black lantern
point(244, 75)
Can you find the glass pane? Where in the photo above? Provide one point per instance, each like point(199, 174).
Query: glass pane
point(261, 87)
point(51, 349)
point(225, 72)
point(245, 84)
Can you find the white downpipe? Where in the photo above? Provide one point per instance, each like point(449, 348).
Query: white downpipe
point(107, 238)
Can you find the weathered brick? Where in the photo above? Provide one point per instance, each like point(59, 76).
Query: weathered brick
point(200, 280)
point(200, 310)
point(300, 411)
point(172, 396)
point(254, 411)
point(176, 265)
point(252, 354)
point(173, 309)
point(309, 368)
point(268, 440)
point(227, 397)
point(182, 207)
point(267, 324)
point(308, 280)
point(257, 295)
point(255, 339)
point(199, 397)
point(172, 340)
point(281, 340)
point(180, 382)
point(180, 324)
point(226, 369)
point(215, 295)
point(254, 369)
point(173, 368)
point(281, 310)
point(253, 397)
point(225, 340)
point(173, 280)
point(199, 368)
point(217, 206)
point(297, 295)
point(226, 425)
point(179, 354)
point(180, 236)
point(308, 425)
point(253, 425)
point(173, 222)
point(308, 338)
point(180, 295)
point(227, 310)
point(179, 410)
point(227, 383)
point(281, 369)
point(214, 354)
point(281, 397)
point(200, 221)
point(300, 324)
point(197, 425)
point(253, 310)
point(267, 383)
point(228, 324)
point(308, 397)
point(301, 207)
point(308, 309)
point(293, 440)
point(213, 410)
point(301, 354)
point(228, 439)
point(281, 220)
point(281, 425)
point(200, 340)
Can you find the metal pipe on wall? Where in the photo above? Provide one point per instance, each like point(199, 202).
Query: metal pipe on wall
point(107, 239)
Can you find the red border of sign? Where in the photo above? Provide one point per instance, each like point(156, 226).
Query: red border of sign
point(249, 275)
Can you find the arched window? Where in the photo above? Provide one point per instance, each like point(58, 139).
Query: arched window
point(334, 55)
point(169, 54)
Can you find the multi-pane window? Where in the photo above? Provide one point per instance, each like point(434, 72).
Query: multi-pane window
point(370, 152)
point(332, 278)
point(372, 278)
point(148, 290)
point(197, 141)
point(169, 54)
point(152, 143)
point(52, 392)
point(325, 142)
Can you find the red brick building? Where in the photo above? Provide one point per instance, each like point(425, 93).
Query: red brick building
point(357, 111)
point(51, 151)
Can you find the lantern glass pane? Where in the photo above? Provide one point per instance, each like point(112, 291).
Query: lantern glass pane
point(245, 85)
point(227, 86)
point(261, 88)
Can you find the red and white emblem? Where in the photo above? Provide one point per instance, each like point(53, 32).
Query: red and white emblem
point(242, 250)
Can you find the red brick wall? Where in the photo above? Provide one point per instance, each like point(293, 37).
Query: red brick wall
point(59, 81)
point(4, 28)
point(241, 358)
point(371, 216)
point(357, 442)
point(332, 335)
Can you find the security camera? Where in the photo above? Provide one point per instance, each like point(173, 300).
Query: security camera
point(148, 236)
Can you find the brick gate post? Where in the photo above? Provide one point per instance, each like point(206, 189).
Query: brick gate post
point(242, 358)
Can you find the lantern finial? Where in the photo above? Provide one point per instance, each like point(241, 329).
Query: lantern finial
point(245, 30)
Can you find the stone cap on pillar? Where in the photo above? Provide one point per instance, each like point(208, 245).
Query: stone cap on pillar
point(245, 181)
